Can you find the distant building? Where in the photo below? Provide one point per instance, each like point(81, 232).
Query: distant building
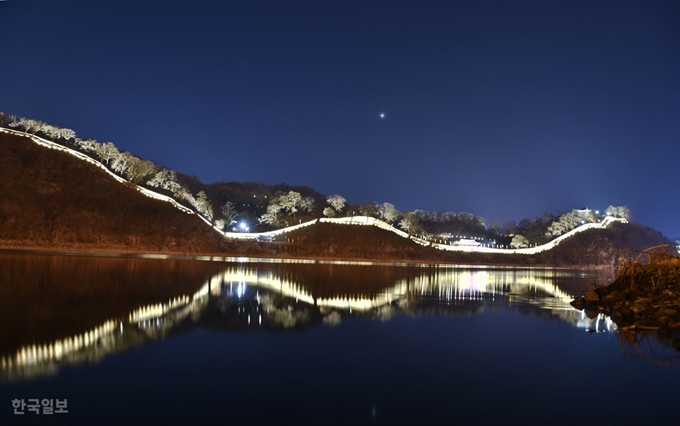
point(584, 213)
point(466, 242)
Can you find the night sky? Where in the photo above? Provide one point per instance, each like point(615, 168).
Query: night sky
point(505, 109)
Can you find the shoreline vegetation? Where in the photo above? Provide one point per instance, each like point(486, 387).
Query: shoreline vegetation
point(645, 296)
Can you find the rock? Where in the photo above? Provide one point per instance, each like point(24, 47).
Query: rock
point(578, 303)
point(665, 321)
point(613, 297)
point(592, 313)
point(669, 312)
point(638, 309)
point(591, 297)
point(609, 299)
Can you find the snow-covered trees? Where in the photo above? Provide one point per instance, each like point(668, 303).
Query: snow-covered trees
point(337, 202)
point(519, 241)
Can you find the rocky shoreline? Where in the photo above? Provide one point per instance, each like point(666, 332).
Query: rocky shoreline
point(644, 297)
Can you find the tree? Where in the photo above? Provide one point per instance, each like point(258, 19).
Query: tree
point(121, 162)
point(87, 144)
point(370, 208)
point(27, 124)
point(204, 206)
point(292, 202)
point(328, 212)
point(410, 223)
point(106, 152)
point(389, 213)
point(337, 202)
point(183, 193)
point(165, 179)
point(64, 133)
point(519, 241)
point(139, 170)
point(565, 223)
point(229, 213)
point(495, 227)
point(307, 204)
point(273, 215)
point(619, 211)
point(510, 227)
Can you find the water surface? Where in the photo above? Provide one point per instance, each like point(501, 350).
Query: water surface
point(240, 341)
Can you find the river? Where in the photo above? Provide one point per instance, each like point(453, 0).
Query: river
point(163, 340)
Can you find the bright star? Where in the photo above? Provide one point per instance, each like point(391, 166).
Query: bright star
point(382, 115)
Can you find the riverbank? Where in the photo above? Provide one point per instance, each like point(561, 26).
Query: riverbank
point(644, 297)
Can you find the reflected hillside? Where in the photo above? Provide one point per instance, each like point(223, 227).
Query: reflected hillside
point(47, 297)
point(279, 297)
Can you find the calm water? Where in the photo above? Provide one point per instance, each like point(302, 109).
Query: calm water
point(171, 341)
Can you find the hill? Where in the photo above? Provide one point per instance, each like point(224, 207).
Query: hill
point(52, 200)
point(595, 247)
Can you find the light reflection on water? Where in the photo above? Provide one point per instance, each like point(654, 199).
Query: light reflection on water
point(251, 295)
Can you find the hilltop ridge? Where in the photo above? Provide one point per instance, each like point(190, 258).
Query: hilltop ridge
point(51, 200)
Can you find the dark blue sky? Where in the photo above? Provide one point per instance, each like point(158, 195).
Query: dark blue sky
point(503, 109)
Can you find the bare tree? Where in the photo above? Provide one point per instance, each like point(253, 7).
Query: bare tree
point(165, 179)
point(410, 223)
point(121, 162)
point(229, 213)
point(28, 125)
point(337, 202)
point(273, 215)
point(370, 208)
point(106, 152)
point(204, 206)
point(139, 170)
point(329, 212)
point(565, 223)
point(389, 213)
point(62, 133)
point(519, 241)
point(619, 211)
